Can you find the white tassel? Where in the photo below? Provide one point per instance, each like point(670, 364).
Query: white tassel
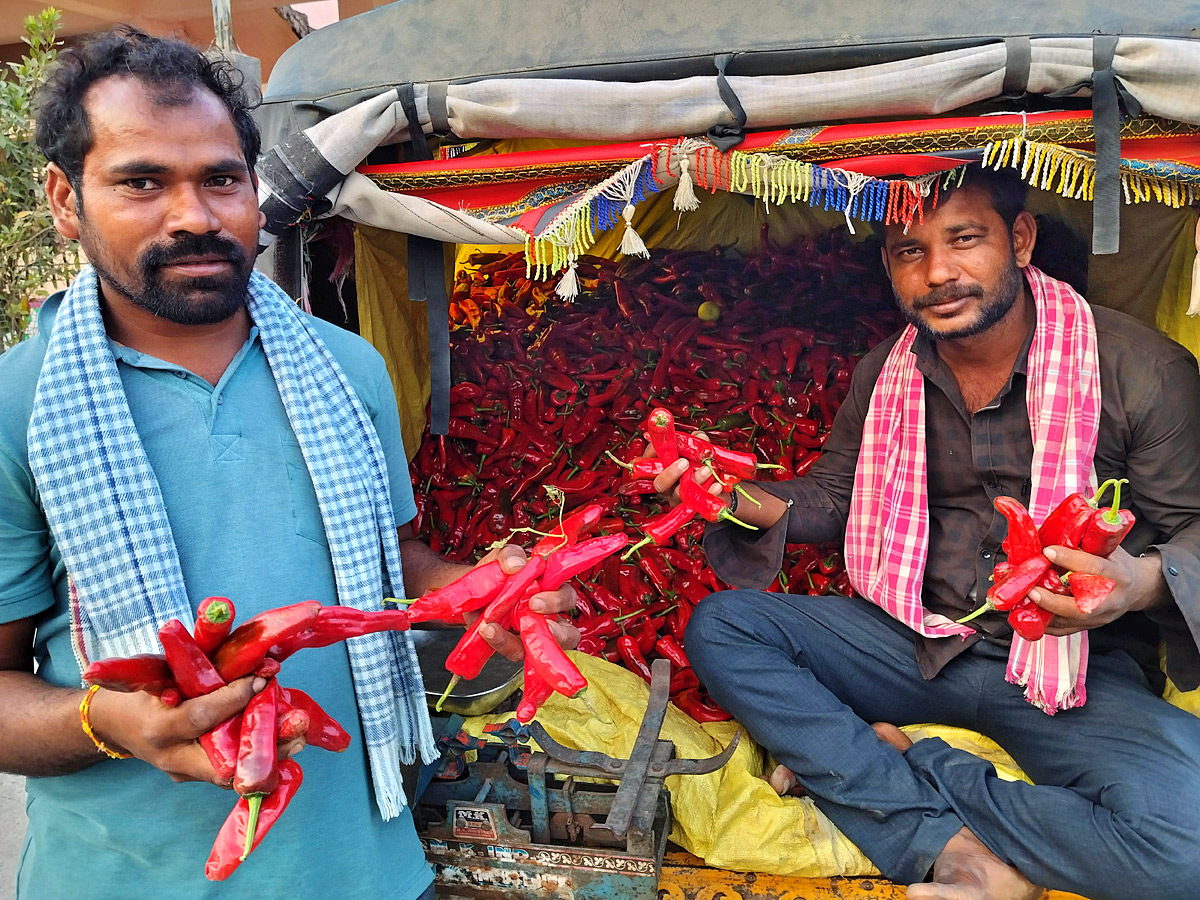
point(568, 286)
point(855, 182)
point(1194, 301)
point(631, 242)
point(685, 196)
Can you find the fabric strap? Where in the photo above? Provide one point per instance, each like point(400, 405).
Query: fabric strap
point(1018, 56)
point(103, 505)
point(1106, 123)
point(726, 137)
point(887, 532)
point(427, 284)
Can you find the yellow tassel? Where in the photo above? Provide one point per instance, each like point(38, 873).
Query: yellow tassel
point(685, 195)
point(1052, 170)
point(631, 242)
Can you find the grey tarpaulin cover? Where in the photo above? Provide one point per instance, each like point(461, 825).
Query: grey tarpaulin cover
point(627, 71)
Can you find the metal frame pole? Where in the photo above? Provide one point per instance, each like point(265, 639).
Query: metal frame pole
point(223, 25)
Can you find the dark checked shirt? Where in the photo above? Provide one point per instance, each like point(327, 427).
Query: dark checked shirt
point(1149, 433)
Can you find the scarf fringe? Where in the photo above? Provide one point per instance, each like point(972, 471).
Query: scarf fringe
point(1068, 697)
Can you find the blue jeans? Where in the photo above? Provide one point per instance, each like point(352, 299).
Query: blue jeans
point(1115, 812)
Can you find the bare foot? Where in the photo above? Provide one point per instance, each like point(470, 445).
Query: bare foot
point(968, 870)
point(783, 782)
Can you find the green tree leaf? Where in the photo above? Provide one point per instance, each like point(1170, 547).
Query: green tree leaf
point(34, 258)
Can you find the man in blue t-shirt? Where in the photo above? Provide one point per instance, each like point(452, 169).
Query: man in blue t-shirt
point(152, 154)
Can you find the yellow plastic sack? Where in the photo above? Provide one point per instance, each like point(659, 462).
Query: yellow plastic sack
point(732, 819)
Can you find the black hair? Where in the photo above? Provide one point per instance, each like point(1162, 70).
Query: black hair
point(1004, 188)
point(172, 68)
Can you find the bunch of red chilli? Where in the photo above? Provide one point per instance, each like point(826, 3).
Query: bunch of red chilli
point(1077, 523)
point(727, 468)
point(243, 749)
point(503, 599)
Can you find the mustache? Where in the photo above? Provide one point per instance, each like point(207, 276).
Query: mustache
point(948, 293)
point(161, 255)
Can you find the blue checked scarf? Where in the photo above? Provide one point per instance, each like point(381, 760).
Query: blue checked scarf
point(105, 510)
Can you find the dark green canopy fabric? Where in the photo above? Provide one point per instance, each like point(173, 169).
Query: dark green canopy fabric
point(635, 40)
point(432, 41)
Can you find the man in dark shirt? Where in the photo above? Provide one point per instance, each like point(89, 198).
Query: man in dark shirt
point(1117, 802)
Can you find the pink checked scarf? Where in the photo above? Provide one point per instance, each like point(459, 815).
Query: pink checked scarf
point(887, 535)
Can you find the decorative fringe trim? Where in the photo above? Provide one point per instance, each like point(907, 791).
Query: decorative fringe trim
point(776, 179)
point(573, 231)
point(1072, 173)
point(454, 151)
point(631, 242)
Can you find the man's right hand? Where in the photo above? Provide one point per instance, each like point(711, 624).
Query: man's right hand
point(763, 511)
point(166, 737)
point(667, 481)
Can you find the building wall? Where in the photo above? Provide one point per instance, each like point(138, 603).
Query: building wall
point(258, 30)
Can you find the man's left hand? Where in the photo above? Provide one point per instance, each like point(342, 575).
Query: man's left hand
point(1139, 585)
point(549, 603)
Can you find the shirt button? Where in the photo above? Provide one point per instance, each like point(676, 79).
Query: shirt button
point(994, 485)
point(181, 374)
point(1172, 570)
point(986, 554)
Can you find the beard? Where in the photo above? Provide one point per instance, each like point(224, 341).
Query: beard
point(995, 305)
point(197, 300)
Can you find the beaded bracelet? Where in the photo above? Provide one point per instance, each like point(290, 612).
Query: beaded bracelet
point(85, 706)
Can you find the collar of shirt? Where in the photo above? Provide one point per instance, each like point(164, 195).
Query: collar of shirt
point(930, 364)
point(49, 311)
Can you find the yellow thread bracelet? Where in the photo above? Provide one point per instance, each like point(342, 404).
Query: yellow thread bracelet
point(85, 706)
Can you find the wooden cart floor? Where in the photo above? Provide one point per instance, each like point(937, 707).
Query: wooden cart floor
point(685, 877)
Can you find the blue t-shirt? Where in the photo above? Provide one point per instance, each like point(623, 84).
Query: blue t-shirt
point(244, 514)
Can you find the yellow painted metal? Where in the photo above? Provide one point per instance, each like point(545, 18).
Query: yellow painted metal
point(685, 877)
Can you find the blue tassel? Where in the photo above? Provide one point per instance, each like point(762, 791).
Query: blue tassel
point(644, 185)
point(605, 213)
point(598, 217)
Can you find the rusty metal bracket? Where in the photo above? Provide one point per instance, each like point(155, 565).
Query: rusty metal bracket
point(698, 766)
point(650, 760)
point(633, 779)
